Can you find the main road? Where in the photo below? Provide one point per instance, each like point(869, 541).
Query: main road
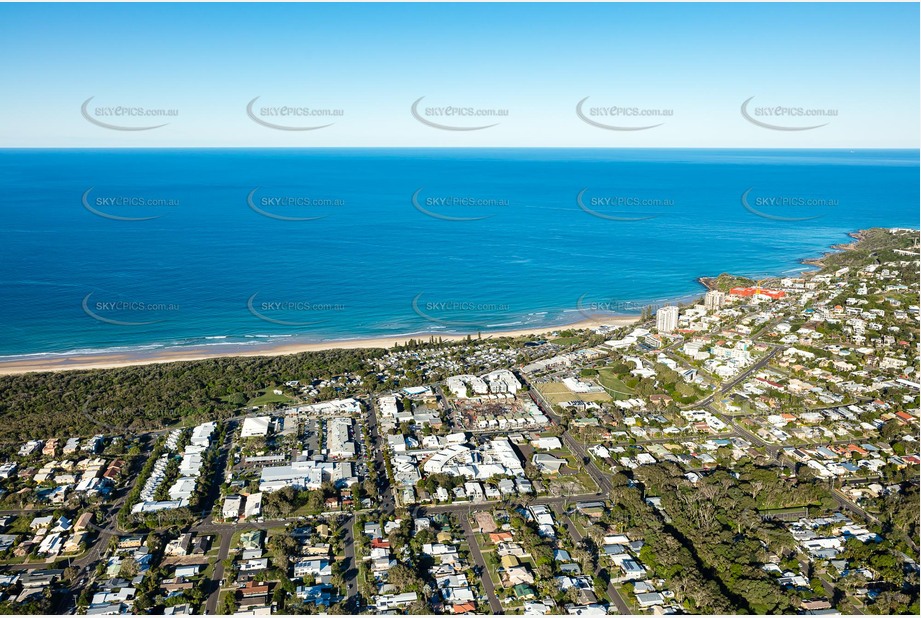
point(603, 483)
point(744, 374)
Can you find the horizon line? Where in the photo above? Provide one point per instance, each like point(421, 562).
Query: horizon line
point(843, 148)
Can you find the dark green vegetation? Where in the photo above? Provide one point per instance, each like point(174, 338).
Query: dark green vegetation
point(409, 574)
point(725, 282)
point(717, 521)
point(899, 511)
point(709, 541)
point(873, 246)
point(150, 397)
point(288, 501)
point(666, 381)
point(140, 398)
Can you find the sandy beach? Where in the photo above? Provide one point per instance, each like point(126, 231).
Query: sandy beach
point(108, 361)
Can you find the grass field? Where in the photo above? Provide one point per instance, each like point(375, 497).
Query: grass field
point(565, 340)
point(571, 478)
point(221, 601)
point(556, 392)
point(215, 546)
point(269, 397)
point(613, 384)
point(579, 527)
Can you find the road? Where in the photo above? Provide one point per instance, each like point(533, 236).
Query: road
point(487, 505)
point(102, 539)
point(776, 451)
point(743, 375)
point(214, 492)
point(218, 573)
point(384, 490)
point(613, 594)
point(226, 532)
point(387, 500)
point(602, 481)
point(350, 566)
point(478, 559)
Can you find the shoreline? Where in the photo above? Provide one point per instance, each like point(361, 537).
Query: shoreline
point(110, 360)
point(709, 282)
point(819, 262)
point(107, 360)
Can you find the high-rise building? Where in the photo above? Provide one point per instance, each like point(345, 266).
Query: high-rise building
point(667, 319)
point(714, 299)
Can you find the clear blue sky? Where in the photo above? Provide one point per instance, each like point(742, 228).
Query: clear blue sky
point(537, 61)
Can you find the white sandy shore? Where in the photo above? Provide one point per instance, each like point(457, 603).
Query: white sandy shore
point(106, 361)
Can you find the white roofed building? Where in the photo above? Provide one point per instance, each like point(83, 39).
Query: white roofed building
point(255, 426)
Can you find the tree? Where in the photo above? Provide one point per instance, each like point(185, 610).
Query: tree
point(128, 569)
point(278, 598)
point(70, 574)
point(229, 603)
point(404, 578)
point(279, 547)
point(86, 596)
point(418, 608)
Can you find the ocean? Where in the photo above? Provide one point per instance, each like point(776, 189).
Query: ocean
point(132, 250)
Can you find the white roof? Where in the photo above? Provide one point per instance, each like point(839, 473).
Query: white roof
point(253, 505)
point(255, 426)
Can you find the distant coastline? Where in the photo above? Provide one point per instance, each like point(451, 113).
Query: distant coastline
point(467, 277)
point(107, 360)
point(818, 262)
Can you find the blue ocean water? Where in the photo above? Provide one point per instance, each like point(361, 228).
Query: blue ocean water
point(120, 250)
